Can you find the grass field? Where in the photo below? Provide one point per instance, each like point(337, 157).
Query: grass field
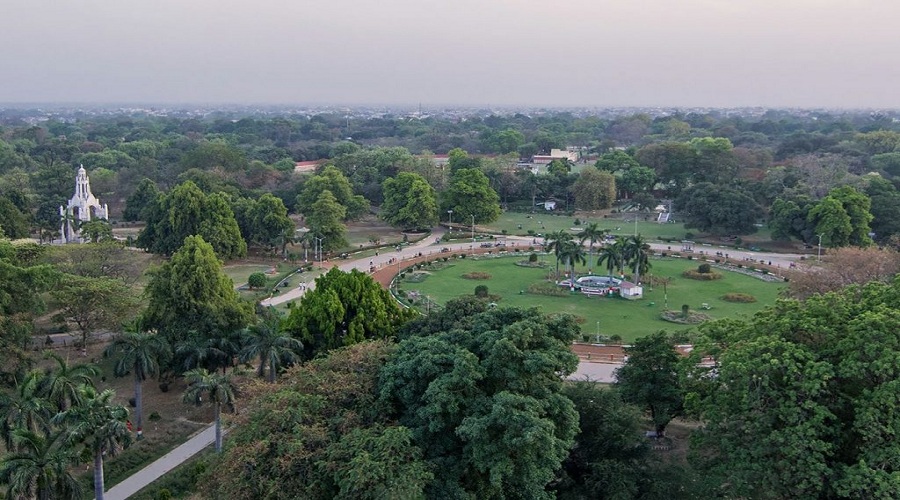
point(628, 319)
point(619, 224)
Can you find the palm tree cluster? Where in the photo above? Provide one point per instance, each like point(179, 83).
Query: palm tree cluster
point(53, 420)
point(632, 252)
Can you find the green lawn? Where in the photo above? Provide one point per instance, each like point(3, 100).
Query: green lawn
point(619, 224)
point(629, 319)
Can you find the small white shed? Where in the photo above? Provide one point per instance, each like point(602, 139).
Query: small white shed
point(629, 290)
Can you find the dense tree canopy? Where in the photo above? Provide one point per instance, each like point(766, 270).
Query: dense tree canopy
point(190, 292)
point(344, 309)
point(187, 211)
point(470, 193)
point(331, 179)
point(802, 400)
point(718, 210)
point(482, 397)
point(409, 202)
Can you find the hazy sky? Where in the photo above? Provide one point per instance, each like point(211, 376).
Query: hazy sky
point(804, 53)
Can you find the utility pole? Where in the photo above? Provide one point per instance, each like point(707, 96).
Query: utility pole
point(320, 247)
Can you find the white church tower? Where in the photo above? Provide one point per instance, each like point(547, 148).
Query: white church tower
point(82, 208)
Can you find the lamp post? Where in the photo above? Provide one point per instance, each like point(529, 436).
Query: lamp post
point(819, 252)
point(450, 220)
point(473, 230)
point(598, 332)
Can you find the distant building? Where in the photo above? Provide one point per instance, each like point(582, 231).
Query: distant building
point(556, 154)
point(83, 207)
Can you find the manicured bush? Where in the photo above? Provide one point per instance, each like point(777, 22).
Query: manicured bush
point(481, 291)
point(256, 280)
point(697, 275)
point(739, 297)
point(545, 288)
point(533, 257)
point(704, 269)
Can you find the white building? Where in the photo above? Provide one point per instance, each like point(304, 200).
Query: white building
point(83, 207)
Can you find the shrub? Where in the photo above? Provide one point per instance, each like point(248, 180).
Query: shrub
point(616, 339)
point(481, 291)
point(256, 280)
point(476, 276)
point(545, 288)
point(577, 222)
point(154, 417)
point(697, 275)
point(685, 310)
point(688, 236)
point(533, 257)
point(530, 232)
point(704, 269)
point(739, 297)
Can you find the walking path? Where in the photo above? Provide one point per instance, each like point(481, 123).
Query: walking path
point(162, 465)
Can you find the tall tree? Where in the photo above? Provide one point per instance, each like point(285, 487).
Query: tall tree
point(191, 292)
point(613, 255)
point(100, 426)
point(93, 303)
point(219, 390)
point(572, 252)
point(718, 209)
point(40, 467)
point(650, 379)
point(592, 234)
point(556, 243)
point(344, 309)
point(270, 221)
point(145, 194)
point(324, 221)
point(24, 408)
point(594, 189)
point(139, 354)
point(485, 402)
point(409, 202)
point(470, 194)
point(273, 347)
point(61, 385)
point(331, 179)
point(637, 254)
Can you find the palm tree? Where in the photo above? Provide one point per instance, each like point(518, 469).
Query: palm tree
point(24, 409)
point(593, 234)
point(139, 353)
point(555, 243)
point(40, 468)
point(197, 351)
point(613, 255)
point(637, 252)
point(221, 391)
point(273, 347)
point(572, 253)
point(98, 424)
point(60, 386)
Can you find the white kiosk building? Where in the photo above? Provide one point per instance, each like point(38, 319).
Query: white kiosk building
point(83, 207)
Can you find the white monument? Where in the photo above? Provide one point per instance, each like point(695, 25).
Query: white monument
point(83, 207)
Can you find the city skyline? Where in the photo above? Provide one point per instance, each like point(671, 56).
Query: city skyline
point(575, 53)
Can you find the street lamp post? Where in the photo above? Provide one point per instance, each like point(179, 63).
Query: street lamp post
point(819, 252)
point(598, 332)
point(473, 230)
point(450, 220)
